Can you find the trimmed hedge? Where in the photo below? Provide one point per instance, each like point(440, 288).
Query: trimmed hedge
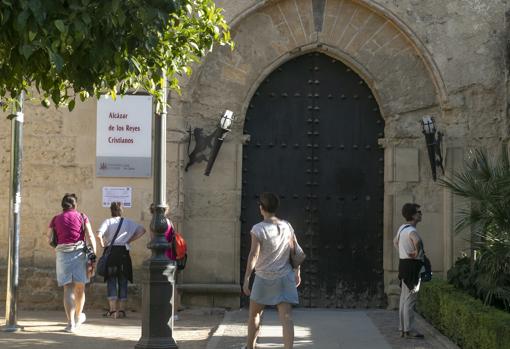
point(462, 318)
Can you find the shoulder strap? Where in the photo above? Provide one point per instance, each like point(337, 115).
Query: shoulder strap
point(117, 232)
point(400, 230)
point(83, 227)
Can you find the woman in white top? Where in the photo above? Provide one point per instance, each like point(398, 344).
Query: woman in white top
point(119, 269)
point(275, 281)
point(410, 247)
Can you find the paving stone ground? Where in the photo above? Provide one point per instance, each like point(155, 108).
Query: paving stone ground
point(329, 329)
point(44, 329)
point(212, 329)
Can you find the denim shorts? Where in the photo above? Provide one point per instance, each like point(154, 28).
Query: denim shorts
point(71, 267)
point(273, 292)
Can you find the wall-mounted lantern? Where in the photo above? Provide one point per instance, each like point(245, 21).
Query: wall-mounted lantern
point(433, 139)
point(223, 128)
point(212, 141)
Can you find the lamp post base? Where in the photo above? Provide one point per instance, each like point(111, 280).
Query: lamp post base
point(157, 304)
point(156, 343)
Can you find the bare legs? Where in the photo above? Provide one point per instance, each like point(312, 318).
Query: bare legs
point(74, 299)
point(255, 313)
point(69, 304)
point(79, 296)
point(285, 315)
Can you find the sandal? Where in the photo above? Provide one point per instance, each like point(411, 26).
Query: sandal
point(121, 314)
point(110, 313)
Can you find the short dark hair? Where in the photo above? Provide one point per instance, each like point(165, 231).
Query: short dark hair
point(409, 210)
point(116, 208)
point(269, 202)
point(69, 201)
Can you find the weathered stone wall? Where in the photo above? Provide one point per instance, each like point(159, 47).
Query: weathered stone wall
point(441, 58)
point(445, 59)
point(58, 157)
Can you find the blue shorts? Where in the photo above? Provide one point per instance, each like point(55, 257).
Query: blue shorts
point(71, 267)
point(273, 292)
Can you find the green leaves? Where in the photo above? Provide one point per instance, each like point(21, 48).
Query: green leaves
point(71, 105)
point(60, 25)
point(485, 183)
point(27, 50)
point(81, 48)
point(21, 21)
point(56, 60)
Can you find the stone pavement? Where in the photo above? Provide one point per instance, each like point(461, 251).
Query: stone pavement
point(44, 329)
point(209, 329)
point(329, 329)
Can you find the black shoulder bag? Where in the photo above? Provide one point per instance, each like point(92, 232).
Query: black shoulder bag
point(102, 263)
point(89, 252)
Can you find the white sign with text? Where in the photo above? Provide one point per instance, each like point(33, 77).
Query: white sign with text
point(123, 137)
point(112, 194)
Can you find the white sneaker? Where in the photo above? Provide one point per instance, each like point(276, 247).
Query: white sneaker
point(70, 328)
point(81, 319)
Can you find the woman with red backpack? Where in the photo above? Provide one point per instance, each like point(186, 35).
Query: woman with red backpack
point(178, 249)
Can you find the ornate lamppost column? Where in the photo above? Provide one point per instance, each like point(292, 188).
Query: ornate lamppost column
point(11, 299)
point(158, 277)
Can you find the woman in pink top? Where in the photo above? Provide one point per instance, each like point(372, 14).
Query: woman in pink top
point(73, 230)
point(169, 233)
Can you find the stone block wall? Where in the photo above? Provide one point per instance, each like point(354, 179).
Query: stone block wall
point(441, 58)
point(38, 290)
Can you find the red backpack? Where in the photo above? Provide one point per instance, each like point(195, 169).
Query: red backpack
point(179, 249)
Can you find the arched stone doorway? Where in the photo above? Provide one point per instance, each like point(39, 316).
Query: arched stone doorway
point(314, 127)
point(373, 42)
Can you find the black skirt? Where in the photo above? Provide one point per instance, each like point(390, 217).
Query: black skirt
point(119, 263)
point(409, 271)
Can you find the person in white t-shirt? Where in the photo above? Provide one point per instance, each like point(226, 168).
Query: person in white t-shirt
point(275, 280)
point(119, 270)
point(410, 250)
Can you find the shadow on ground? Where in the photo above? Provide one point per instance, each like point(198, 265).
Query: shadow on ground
point(44, 329)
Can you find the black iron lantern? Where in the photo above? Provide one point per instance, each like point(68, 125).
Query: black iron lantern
point(433, 139)
point(223, 128)
point(207, 146)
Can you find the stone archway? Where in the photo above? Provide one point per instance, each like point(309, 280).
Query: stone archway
point(365, 37)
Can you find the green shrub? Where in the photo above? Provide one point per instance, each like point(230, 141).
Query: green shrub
point(485, 184)
point(462, 318)
point(461, 275)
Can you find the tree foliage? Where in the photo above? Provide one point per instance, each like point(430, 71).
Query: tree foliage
point(70, 48)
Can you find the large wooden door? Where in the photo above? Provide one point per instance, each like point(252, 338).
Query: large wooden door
point(314, 127)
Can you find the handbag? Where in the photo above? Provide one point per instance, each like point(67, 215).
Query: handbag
point(297, 255)
point(89, 252)
point(426, 275)
point(53, 238)
point(102, 263)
